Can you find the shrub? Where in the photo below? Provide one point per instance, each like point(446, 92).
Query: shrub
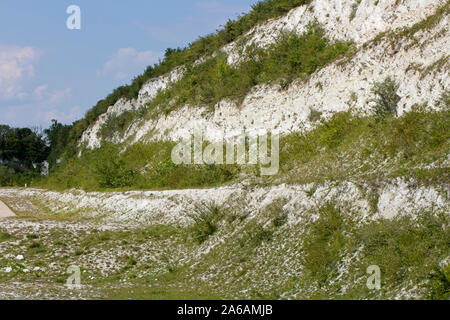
point(111, 169)
point(333, 132)
point(278, 217)
point(206, 217)
point(408, 249)
point(386, 98)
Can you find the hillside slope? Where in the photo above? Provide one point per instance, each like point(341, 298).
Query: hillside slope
point(417, 57)
point(358, 92)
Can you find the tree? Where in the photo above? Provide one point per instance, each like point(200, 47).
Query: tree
point(57, 138)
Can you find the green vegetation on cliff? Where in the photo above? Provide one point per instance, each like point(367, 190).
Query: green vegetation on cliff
point(344, 147)
point(203, 47)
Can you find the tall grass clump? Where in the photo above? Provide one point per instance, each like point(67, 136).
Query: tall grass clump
point(206, 217)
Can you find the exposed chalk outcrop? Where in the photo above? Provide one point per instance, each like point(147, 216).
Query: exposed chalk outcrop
point(398, 197)
point(338, 87)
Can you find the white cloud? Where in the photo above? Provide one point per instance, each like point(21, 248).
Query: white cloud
point(128, 62)
point(16, 66)
point(39, 91)
point(43, 94)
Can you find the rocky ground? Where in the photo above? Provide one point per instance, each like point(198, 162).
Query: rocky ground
point(272, 242)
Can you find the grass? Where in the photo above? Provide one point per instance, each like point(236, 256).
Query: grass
point(324, 244)
point(5, 236)
point(407, 251)
point(366, 150)
point(344, 147)
point(324, 255)
point(206, 217)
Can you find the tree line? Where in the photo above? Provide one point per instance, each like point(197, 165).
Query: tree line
point(24, 150)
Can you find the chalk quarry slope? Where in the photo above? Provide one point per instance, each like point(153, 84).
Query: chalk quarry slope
point(340, 86)
point(398, 197)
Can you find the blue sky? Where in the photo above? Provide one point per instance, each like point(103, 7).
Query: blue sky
point(50, 72)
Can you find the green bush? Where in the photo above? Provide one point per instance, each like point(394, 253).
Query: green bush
point(206, 217)
point(111, 170)
point(140, 166)
point(386, 98)
point(408, 249)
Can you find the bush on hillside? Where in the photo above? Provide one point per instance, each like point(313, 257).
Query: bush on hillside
point(386, 98)
point(206, 217)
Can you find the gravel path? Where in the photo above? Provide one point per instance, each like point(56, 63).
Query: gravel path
point(5, 211)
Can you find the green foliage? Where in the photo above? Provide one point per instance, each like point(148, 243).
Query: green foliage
point(331, 132)
point(408, 249)
point(439, 283)
point(300, 55)
point(386, 98)
point(347, 147)
point(140, 166)
point(324, 244)
point(111, 171)
point(173, 58)
point(6, 176)
point(57, 137)
point(22, 146)
point(21, 152)
point(415, 139)
point(294, 56)
point(206, 217)
point(115, 124)
point(261, 11)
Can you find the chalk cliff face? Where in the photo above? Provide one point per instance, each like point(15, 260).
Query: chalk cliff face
point(340, 86)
